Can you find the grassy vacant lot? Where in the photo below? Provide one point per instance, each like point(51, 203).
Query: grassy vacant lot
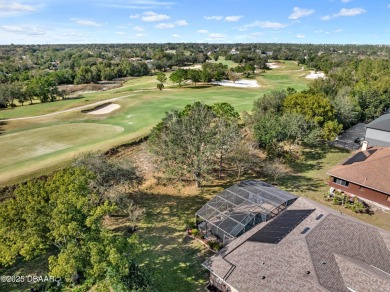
point(40, 146)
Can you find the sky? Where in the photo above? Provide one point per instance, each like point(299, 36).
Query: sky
point(211, 21)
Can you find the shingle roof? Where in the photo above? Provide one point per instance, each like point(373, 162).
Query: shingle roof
point(327, 251)
point(381, 123)
point(370, 168)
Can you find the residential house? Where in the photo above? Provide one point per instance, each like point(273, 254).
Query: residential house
point(366, 174)
point(378, 131)
point(307, 247)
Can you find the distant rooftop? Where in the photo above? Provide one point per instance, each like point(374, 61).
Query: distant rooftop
point(370, 168)
point(323, 250)
point(382, 123)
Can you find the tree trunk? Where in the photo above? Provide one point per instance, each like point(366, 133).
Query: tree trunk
point(197, 179)
point(220, 165)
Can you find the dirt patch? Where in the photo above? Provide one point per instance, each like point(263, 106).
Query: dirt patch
point(72, 90)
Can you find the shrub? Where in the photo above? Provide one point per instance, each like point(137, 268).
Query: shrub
point(214, 245)
point(354, 204)
point(358, 206)
point(195, 232)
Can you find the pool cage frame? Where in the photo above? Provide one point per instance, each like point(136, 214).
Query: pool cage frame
point(239, 208)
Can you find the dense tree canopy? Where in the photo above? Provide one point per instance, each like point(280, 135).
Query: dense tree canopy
point(191, 142)
point(64, 213)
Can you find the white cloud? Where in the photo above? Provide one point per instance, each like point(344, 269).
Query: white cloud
point(175, 35)
point(233, 18)
point(346, 1)
point(215, 17)
point(163, 25)
point(140, 34)
point(138, 28)
point(181, 22)
point(300, 36)
point(338, 30)
point(120, 33)
point(151, 16)
point(216, 37)
point(22, 30)
point(142, 4)
point(10, 8)
point(257, 33)
point(300, 12)
point(134, 16)
point(202, 31)
point(350, 12)
point(345, 12)
point(265, 24)
point(85, 22)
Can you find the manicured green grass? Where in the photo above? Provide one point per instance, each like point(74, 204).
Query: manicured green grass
point(222, 60)
point(288, 75)
point(142, 107)
point(25, 145)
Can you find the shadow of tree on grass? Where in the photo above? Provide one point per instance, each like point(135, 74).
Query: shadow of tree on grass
point(2, 123)
point(168, 254)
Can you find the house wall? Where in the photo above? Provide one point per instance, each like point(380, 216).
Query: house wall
point(376, 137)
point(362, 192)
point(220, 284)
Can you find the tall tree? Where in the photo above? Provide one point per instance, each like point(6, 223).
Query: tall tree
point(183, 142)
point(194, 75)
point(178, 76)
point(162, 78)
point(228, 133)
point(44, 88)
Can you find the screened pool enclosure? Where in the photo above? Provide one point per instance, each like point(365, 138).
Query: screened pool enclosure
point(239, 208)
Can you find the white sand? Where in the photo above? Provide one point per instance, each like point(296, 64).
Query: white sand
point(105, 110)
point(273, 65)
point(239, 83)
point(197, 66)
point(314, 75)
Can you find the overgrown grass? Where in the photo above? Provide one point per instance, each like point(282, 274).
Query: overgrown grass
point(171, 257)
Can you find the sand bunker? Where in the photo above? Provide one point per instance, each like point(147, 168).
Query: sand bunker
point(197, 66)
point(274, 65)
point(314, 75)
point(238, 83)
point(104, 110)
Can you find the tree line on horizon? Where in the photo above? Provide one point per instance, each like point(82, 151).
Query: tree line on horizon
point(357, 75)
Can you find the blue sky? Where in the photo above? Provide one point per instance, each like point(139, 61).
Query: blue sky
point(212, 21)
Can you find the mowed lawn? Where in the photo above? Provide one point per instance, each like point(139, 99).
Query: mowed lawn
point(36, 145)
